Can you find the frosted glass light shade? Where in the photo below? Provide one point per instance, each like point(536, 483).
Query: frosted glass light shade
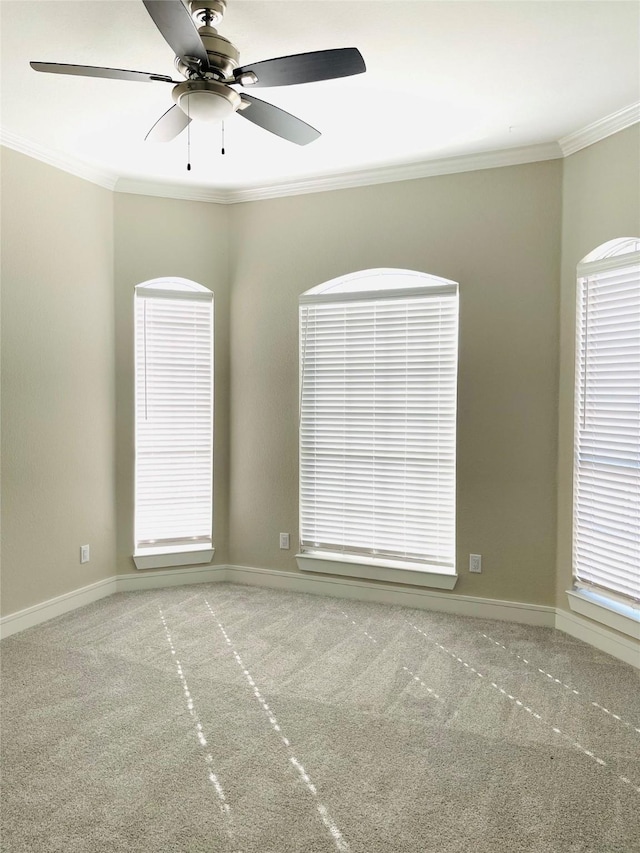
point(206, 100)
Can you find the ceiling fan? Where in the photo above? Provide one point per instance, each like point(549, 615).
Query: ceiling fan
point(210, 65)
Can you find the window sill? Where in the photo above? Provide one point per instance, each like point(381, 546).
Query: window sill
point(160, 558)
point(381, 570)
point(606, 611)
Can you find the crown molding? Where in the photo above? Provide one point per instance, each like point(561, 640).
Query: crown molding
point(600, 129)
point(65, 162)
point(346, 180)
point(402, 172)
point(184, 192)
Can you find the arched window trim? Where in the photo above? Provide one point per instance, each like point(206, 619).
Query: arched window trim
point(378, 284)
point(173, 288)
point(612, 255)
point(173, 283)
point(612, 249)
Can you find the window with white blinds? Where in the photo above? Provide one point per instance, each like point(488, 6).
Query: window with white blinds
point(173, 416)
point(606, 550)
point(378, 357)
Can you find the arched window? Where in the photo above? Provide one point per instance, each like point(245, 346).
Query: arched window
point(378, 367)
point(173, 422)
point(606, 529)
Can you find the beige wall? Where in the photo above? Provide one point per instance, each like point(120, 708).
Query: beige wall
point(601, 201)
point(65, 352)
point(156, 237)
point(496, 232)
point(57, 382)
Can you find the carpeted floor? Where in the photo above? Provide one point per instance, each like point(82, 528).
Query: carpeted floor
point(233, 719)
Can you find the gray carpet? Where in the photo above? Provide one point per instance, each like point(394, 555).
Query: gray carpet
point(233, 719)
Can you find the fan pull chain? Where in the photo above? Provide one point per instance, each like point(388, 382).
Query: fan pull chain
point(222, 152)
point(188, 139)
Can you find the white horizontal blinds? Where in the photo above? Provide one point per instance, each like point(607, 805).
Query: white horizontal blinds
point(607, 465)
point(174, 418)
point(377, 431)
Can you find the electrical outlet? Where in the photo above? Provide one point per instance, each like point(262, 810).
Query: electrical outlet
point(475, 562)
point(284, 541)
point(84, 554)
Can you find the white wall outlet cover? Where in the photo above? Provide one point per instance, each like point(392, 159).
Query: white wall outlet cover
point(475, 563)
point(84, 554)
point(284, 540)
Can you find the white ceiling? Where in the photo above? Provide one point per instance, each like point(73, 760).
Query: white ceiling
point(443, 79)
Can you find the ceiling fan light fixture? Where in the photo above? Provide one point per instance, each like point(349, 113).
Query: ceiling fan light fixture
point(206, 100)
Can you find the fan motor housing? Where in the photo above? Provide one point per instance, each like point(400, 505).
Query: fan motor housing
point(207, 100)
point(224, 56)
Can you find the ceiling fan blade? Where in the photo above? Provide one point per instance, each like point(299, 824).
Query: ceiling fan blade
point(304, 67)
point(179, 31)
point(278, 121)
point(168, 126)
point(96, 71)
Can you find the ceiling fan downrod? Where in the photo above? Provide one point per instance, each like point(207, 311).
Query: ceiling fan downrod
point(208, 12)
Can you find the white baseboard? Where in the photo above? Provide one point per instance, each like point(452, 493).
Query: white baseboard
point(602, 638)
point(31, 616)
point(170, 577)
point(361, 590)
point(624, 648)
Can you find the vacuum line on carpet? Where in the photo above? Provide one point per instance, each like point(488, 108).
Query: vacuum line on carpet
point(525, 661)
point(558, 681)
point(534, 714)
point(616, 717)
point(225, 808)
point(338, 838)
point(415, 677)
